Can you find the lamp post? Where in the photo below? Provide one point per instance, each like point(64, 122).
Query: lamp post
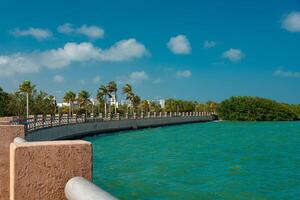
point(27, 105)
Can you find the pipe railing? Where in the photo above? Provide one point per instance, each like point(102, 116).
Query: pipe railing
point(79, 188)
point(34, 123)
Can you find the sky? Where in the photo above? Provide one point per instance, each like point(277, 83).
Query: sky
point(187, 49)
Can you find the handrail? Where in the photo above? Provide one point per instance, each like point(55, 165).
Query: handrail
point(78, 188)
point(47, 121)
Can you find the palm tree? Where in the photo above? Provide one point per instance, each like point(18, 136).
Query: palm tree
point(29, 89)
point(70, 97)
point(83, 99)
point(136, 100)
point(102, 94)
point(112, 89)
point(127, 89)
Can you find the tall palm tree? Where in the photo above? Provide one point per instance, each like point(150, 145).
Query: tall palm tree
point(26, 88)
point(112, 89)
point(70, 97)
point(83, 99)
point(136, 100)
point(102, 94)
point(127, 89)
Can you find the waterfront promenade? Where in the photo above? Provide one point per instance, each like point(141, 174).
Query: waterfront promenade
point(57, 127)
point(40, 167)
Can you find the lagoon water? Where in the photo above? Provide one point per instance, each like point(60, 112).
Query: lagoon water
point(216, 160)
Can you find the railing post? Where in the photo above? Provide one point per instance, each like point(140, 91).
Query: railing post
point(35, 123)
point(154, 115)
point(51, 120)
point(43, 121)
point(126, 115)
point(160, 114)
point(134, 115)
point(118, 116)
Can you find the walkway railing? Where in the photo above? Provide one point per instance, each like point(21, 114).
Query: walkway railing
point(34, 123)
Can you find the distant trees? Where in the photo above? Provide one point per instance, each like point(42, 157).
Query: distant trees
point(235, 108)
point(84, 100)
point(4, 103)
point(130, 96)
point(112, 90)
point(15, 103)
point(70, 97)
point(173, 105)
point(244, 108)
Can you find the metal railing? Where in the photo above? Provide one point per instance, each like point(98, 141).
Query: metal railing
point(34, 123)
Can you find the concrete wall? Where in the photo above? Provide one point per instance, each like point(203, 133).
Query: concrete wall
point(81, 130)
point(7, 135)
point(40, 170)
point(5, 120)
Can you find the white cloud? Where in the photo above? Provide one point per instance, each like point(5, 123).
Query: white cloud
point(58, 79)
point(17, 64)
point(183, 74)
point(71, 52)
point(287, 74)
point(97, 79)
point(179, 45)
point(137, 77)
point(124, 50)
point(234, 55)
point(82, 82)
point(93, 32)
point(292, 22)
point(37, 33)
point(157, 81)
point(209, 44)
point(21, 63)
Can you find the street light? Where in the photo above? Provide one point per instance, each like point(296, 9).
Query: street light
point(27, 105)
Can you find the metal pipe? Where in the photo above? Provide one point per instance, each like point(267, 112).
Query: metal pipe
point(19, 140)
point(78, 188)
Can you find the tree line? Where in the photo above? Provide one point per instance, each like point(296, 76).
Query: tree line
point(241, 108)
point(246, 108)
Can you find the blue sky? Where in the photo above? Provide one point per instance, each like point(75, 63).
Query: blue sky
point(197, 50)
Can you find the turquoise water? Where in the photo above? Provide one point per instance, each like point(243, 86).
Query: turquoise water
point(217, 160)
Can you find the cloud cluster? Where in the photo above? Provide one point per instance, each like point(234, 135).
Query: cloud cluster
point(292, 22)
point(209, 44)
point(93, 32)
point(179, 45)
point(183, 74)
point(138, 76)
point(58, 79)
point(234, 55)
point(97, 79)
point(71, 53)
point(287, 74)
point(37, 33)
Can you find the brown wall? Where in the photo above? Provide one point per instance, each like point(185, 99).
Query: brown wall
point(40, 170)
point(7, 135)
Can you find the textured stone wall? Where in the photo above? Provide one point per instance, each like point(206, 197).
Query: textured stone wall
point(40, 170)
point(7, 135)
point(5, 120)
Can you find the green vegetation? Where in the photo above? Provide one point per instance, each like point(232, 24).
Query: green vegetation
point(255, 109)
point(173, 105)
point(235, 108)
